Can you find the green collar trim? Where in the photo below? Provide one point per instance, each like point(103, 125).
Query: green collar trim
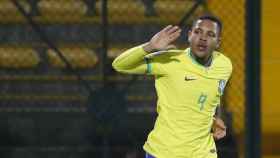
point(188, 52)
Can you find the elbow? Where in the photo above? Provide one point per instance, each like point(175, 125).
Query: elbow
point(116, 66)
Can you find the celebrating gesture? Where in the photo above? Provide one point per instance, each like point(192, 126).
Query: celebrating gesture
point(189, 86)
point(163, 39)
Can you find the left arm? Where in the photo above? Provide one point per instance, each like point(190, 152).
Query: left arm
point(219, 128)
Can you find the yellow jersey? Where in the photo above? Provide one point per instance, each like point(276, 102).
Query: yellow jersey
point(188, 94)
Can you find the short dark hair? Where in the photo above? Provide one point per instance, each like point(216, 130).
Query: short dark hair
point(211, 18)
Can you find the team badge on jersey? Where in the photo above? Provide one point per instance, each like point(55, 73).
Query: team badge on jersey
point(222, 85)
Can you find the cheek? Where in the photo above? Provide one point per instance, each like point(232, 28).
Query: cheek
point(194, 39)
point(213, 44)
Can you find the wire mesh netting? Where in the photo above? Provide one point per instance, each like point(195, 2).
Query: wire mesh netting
point(59, 86)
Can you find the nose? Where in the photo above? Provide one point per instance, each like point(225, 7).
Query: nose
point(203, 37)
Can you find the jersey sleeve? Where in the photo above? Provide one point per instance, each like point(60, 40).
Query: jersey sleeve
point(131, 61)
point(157, 65)
point(226, 76)
point(134, 61)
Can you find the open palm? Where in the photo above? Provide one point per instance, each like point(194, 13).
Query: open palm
point(163, 39)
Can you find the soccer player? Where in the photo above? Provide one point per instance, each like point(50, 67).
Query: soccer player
point(189, 84)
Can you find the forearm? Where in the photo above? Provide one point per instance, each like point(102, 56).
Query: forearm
point(131, 59)
point(218, 113)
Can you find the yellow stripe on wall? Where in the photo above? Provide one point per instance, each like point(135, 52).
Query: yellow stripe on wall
point(270, 66)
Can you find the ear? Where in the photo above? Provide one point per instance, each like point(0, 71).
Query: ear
point(218, 43)
point(189, 35)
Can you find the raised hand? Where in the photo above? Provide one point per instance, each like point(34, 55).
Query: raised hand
point(163, 39)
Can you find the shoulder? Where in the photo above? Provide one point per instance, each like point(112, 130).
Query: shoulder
point(222, 60)
point(222, 66)
point(165, 55)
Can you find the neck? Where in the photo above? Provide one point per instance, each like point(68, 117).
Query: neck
point(205, 61)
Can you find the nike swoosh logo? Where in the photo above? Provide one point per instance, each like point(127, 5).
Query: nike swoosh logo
point(189, 78)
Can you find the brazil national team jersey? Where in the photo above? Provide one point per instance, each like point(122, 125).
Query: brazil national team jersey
point(188, 94)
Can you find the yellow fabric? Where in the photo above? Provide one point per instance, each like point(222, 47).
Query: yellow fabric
point(188, 94)
point(131, 61)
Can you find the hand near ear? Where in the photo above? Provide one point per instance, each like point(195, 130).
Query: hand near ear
point(163, 39)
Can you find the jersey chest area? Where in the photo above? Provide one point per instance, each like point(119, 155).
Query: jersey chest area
point(188, 81)
point(192, 88)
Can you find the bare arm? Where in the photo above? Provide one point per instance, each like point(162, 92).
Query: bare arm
point(219, 112)
point(219, 127)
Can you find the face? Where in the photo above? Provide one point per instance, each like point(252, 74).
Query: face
point(204, 38)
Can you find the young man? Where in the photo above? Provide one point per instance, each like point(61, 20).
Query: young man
point(189, 84)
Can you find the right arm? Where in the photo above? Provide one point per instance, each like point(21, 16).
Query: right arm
point(133, 61)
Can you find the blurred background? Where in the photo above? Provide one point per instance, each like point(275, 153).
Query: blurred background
point(59, 96)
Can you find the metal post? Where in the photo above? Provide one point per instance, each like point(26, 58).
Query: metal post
point(253, 75)
point(104, 39)
point(105, 145)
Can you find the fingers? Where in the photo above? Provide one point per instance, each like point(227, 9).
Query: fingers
point(170, 29)
point(173, 29)
point(219, 129)
point(165, 37)
point(219, 133)
point(166, 28)
point(174, 35)
point(219, 123)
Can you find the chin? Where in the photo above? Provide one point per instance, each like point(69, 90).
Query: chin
point(200, 54)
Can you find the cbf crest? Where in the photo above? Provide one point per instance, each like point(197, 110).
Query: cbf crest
point(221, 87)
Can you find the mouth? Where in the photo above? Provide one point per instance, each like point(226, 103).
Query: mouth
point(202, 47)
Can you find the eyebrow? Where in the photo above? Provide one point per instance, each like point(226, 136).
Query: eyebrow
point(199, 28)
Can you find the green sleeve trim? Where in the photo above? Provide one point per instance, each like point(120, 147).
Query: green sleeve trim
point(149, 66)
